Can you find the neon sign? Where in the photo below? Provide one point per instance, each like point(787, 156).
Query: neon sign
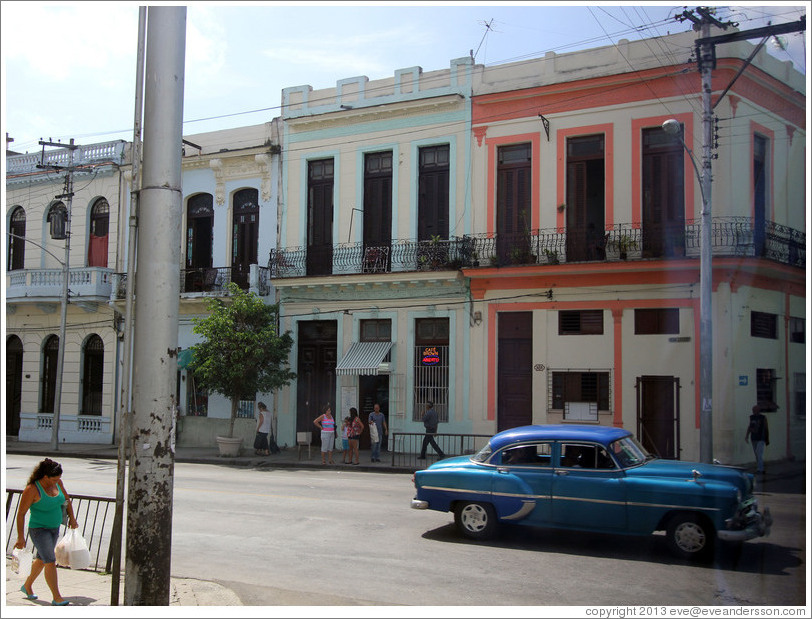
point(430, 356)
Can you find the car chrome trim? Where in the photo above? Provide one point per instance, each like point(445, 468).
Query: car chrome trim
point(417, 504)
point(525, 509)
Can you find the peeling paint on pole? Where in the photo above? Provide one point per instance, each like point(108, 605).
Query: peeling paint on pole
point(152, 458)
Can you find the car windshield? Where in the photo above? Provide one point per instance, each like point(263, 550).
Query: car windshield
point(628, 452)
point(483, 454)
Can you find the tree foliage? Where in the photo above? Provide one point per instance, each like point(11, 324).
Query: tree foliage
point(242, 352)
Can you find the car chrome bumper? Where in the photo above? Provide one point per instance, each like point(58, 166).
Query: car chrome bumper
point(417, 504)
point(759, 526)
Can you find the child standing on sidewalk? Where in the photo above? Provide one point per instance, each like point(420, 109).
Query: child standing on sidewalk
point(345, 439)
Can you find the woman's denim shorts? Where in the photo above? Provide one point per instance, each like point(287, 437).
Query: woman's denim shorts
point(44, 543)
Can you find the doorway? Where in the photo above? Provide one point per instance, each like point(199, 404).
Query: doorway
point(515, 373)
point(658, 415)
point(316, 373)
point(372, 389)
point(14, 384)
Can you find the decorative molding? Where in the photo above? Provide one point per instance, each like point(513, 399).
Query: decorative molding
point(219, 184)
point(264, 161)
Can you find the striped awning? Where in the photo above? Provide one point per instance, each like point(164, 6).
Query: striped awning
point(363, 358)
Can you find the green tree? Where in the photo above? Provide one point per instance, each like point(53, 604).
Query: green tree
point(242, 352)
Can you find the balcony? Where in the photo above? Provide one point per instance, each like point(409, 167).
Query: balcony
point(730, 237)
point(92, 284)
point(209, 282)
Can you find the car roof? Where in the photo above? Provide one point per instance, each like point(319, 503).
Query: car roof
point(562, 432)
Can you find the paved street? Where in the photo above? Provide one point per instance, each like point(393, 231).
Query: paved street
point(347, 537)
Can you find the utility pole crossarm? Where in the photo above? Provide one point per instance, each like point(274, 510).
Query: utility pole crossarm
point(756, 33)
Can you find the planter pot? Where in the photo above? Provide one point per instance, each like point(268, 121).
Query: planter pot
point(229, 446)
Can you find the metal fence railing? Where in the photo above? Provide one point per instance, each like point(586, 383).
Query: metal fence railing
point(404, 447)
point(95, 515)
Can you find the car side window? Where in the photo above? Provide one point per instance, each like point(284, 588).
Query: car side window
point(578, 456)
point(539, 454)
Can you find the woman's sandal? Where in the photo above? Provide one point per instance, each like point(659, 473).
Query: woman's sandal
point(29, 596)
point(62, 603)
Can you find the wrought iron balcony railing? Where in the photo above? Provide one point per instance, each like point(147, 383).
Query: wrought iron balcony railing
point(730, 237)
point(210, 281)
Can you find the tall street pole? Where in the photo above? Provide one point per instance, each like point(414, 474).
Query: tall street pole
point(705, 264)
point(157, 289)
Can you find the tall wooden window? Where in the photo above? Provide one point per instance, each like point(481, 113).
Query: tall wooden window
point(199, 226)
point(50, 353)
point(760, 191)
point(378, 199)
point(16, 243)
point(99, 233)
point(245, 235)
point(585, 197)
point(797, 330)
point(432, 192)
point(93, 376)
point(320, 217)
point(663, 206)
point(513, 202)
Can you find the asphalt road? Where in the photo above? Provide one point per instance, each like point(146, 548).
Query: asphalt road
point(329, 537)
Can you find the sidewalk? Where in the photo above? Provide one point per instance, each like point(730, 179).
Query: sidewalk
point(88, 588)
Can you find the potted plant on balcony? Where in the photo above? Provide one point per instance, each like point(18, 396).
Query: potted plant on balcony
point(623, 244)
point(241, 353)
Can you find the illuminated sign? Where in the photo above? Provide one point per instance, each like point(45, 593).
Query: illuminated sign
point(430, 356)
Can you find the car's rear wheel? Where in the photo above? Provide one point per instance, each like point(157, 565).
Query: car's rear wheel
point(475, 520)
point(690, 537)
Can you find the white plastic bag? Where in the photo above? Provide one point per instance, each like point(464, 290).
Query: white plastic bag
point(75, 547)
point(21, 559)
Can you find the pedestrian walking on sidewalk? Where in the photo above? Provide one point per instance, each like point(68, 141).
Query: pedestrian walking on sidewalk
point(430, 422)
point(44, 496)
point(261, 447)
point(327, 424)
point(356, 428)
point(378, 420)
point(759, 434)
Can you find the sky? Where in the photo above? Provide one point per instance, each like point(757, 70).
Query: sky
point(69, 67)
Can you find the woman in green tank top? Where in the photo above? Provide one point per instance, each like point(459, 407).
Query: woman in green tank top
point(44, 496)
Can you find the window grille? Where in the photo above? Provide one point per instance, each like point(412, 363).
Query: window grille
point(431, 365)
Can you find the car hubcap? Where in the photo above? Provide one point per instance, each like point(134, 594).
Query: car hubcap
point(474, 518)
point(690, 537)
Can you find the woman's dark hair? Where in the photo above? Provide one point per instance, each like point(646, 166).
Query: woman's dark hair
point(46, 468)
point(353, 412)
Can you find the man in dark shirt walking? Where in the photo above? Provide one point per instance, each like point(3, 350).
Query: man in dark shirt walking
point(759, 434)
point(430, 421)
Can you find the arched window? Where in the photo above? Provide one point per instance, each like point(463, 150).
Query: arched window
point(93, 376)
point(199, 226)
point(245, 235)
point(50, 352)
point(14, 384)
point(99, 226)
point(16, 243)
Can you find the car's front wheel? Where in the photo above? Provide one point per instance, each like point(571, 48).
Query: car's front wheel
point(475, 520)
point(690, 537)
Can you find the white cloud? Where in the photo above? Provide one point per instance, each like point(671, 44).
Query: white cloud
point(56, 41)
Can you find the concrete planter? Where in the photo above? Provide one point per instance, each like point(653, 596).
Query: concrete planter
point(229, 446)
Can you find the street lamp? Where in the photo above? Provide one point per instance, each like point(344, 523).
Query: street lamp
point(673, 128)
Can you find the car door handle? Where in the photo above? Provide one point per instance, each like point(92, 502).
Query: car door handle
point(560, 472)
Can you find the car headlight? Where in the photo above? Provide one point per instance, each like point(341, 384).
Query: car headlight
point(738, 496)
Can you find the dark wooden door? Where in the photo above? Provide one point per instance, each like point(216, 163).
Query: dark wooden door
point(245, 235)
point(316, 373)
point(515, 371)
point(658, 415)
point(320, 217)
point(663, 195)
point(14, 384)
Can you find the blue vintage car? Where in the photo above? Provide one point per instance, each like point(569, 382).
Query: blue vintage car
point(592, 478)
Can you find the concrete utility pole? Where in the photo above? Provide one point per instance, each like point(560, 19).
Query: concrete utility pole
point(60, 355)
point(706, 60)
point(157, 287)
